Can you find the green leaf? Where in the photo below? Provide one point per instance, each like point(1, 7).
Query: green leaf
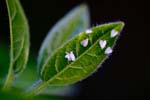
point(10, 96)
point(77, 20)
point(19, 41)
point(60, 71)
point(19, 35)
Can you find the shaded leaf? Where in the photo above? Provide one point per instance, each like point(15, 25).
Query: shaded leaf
point(4, 59)
point(77, 20)
point(19, 35)
point(58, 70)
point(11, 96)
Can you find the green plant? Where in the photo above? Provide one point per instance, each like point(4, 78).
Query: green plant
point(65, 56)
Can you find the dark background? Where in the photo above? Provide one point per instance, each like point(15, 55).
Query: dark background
point(124, 75)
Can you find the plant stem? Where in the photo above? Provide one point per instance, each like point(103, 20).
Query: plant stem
point(10, 76)
point(36, 88)
point(9, 79)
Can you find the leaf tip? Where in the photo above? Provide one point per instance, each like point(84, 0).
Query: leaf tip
point(121, 24)
point(84, 6)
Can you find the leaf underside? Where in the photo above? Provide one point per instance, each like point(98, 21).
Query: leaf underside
point(59, 71)
point(76, 21)
point(19, 35)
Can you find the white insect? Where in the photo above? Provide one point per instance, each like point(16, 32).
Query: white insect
point(84, 42)
point(108, 50)
point(70, 56)
point(113, 33)
point(88, 31)
point(102, 43)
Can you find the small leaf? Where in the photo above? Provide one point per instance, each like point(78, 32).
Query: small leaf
point(60, 71)
point(19, 35)
point(77, 20)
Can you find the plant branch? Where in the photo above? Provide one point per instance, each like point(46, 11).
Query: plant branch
point(36, 88)
point(9, 79)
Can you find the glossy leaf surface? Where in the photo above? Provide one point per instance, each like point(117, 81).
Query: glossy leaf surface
point(76, 21)
point(58, 70)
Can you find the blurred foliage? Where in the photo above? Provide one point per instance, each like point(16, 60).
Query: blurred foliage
point(15, 96)
point(10, 96)
point(29, 76)
point(4, 59)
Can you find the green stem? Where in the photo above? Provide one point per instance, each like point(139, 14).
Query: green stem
point(9, 79)
point(10, 76)
point(36, 88)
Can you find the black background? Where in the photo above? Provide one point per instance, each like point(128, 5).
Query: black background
point(123, 76)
